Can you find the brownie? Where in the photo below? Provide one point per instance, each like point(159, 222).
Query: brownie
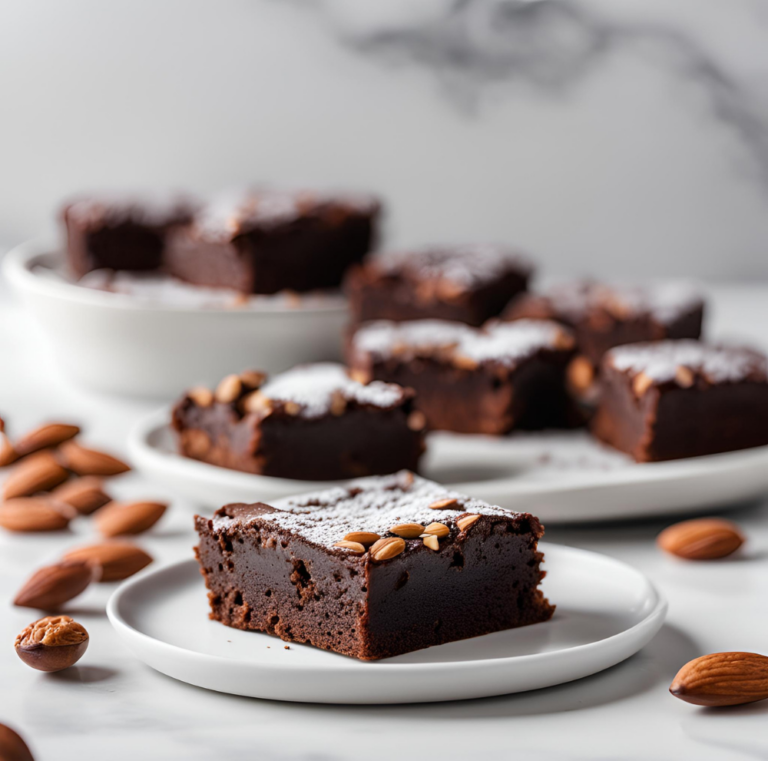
point(488, 380)
point(420, 566)
point(603, 316)
point(469, 283)
point(673, 399)
point(312, 422)
point(121, 231)
point(269, 241)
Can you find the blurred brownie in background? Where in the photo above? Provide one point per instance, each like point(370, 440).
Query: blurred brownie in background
point(469, 284)
point(313, 422)
point(674, 399)
point(265, 241)
point(504, 376)
point(603, 316)
point(121, 231)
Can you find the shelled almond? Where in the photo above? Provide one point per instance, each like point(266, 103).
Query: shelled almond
point(701, 539)
point(53, 585)
point(28, 514)
point(120, 518)
point(723, 679)
point(38, 472)
point(115, 560)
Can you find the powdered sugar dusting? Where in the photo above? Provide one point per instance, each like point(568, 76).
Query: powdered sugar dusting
point(369, 504)
point(313, 388)
point(660, 360)
point(467, 265)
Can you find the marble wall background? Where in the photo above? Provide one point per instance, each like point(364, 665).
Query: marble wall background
point(620, 136)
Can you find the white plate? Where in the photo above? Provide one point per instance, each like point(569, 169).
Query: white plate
point(121, 344)
point(561, 477)
point(606, 611)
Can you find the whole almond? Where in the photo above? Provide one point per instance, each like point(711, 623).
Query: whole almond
point(229, 389)
point(117, 560)
point(201, 396)
point(45, 437)
point(355, 547)
point(442, 504)
point(701, 539)
point(366, 538)
point(54, 585)
point(53, 643)
point(35, 514)
point(387, 548)
point(12, 747)
point(90, 462)
point(466, 521)
point(8, 454)
point(38, 472)
point(432, 542)
point(85, 494)
point(119, 518)
point(408, 530)
point(722, 679)
point(437, 529)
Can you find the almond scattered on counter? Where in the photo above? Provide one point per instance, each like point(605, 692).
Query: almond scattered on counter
point(12, 747)
point(52, 586)
point(701, 539)
point(53, 643)
point(723, 679)
point(119, 518)
point(90, 462)
point(8, 455)
point(117, 560)
point(38, 472)
point(46, 437)
point(35, 514)
point(85, 494)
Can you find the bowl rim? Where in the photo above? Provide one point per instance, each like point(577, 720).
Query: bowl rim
point(18, 268)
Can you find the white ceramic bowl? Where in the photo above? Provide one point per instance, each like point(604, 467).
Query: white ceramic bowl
point(120, 344)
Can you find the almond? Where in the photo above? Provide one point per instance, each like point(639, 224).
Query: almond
point(85, 494)
point(119, 518)
point(466, 521)
point(641, 383)
point(416, 421)
point(432, 542)
point(701, 539)
point(117, 560)
point(35, 514)
point(12, 747)
point(353, 546)
point(53, 643)
point(229, 389)
point(37, 473)
point(90, 462)
point(45, 437)
point(408, 530)
point(581, 373)
point(387, 548)
point(253, 378)
point(54, 585)
point(442, 504)
point(366, 538)
point(437, 529)
point(722, 679)
point(8, 454)
point(201, 396)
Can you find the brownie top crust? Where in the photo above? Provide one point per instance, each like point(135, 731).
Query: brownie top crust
point(245, 211)
point(465, 266)
point(499, 343)
point(684, 361)
point(663, 302)
point(111, 208)
point(374, 504)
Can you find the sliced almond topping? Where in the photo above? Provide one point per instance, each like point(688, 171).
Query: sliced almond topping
point(466, 521)
point(684, 376)
point(432, 542)
point(441, 504)
point(417, 421)
point(641, 383)
point(201, 396)
point(361, 376)
point(353, 546)
point(229, 389)
point(256, 401)
point(437, 529)
point(408, 530)
point(581, 373)
point(338, 404)
point(252, 378)
point(387, 548)
point(366, 538)
point(563, 341)
point(292, 408)
point(464, 363)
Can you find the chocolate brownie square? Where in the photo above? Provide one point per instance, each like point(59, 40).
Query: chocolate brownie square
point(380, 567)
point(674, 399)
point(469, 283)
point(489, 380)
point(267, 241)
point(311, 423)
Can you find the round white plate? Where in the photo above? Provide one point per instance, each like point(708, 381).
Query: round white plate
point(606, 612)
point(561, 477)
point(122, 344)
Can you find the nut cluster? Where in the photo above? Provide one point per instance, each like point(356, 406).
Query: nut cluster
point(242, 391)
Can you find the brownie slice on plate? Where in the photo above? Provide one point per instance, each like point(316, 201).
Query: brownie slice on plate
point(313, 423)
point(381, 567)
point(492, 380)
point(674, 399)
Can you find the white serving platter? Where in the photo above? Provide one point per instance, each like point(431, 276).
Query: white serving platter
point(562, 477)
point(123, 344)
point(606, 611)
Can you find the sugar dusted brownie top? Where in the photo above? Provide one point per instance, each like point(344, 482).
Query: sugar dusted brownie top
point(500, 343)
point(686, 361)
point(373, 505)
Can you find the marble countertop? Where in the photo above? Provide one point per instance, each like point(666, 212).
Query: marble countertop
point(113, 706)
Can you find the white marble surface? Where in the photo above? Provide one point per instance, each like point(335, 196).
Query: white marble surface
point(112, 706)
